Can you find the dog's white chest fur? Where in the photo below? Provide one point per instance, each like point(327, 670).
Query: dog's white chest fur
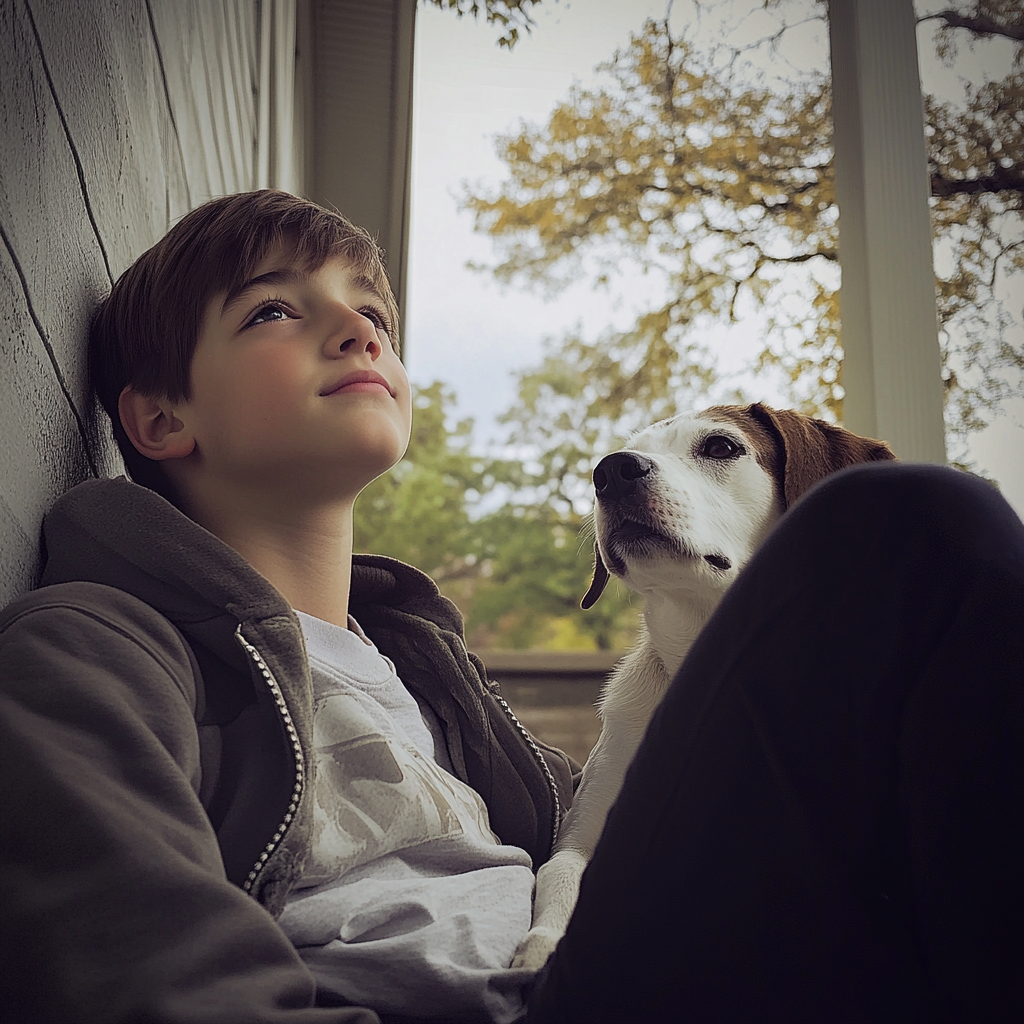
point(678, 514)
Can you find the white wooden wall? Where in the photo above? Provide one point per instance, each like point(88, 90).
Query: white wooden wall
point(116, 117)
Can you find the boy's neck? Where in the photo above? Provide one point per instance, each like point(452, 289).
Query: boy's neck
point(305, 552)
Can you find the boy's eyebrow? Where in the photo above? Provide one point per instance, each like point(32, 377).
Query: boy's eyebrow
point(286, 275)
point(365, 284)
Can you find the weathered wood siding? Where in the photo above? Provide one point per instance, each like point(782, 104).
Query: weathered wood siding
point(116, 117)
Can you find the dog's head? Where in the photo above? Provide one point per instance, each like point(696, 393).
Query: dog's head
point(687, 503)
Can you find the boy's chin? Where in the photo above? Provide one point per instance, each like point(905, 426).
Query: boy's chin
point(375, 450)
point(349, 475)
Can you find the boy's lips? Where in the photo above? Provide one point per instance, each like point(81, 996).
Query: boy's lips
point(358, 377)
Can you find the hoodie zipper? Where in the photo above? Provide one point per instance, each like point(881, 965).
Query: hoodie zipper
point(556, 807)
point(556, 812)
point(300, 760)
point(300, 771)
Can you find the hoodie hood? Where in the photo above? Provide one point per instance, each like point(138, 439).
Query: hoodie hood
point(123, 535)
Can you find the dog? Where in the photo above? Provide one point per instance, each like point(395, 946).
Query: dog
point(678, 513)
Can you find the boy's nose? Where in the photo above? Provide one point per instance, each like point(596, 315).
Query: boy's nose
point(353, 332)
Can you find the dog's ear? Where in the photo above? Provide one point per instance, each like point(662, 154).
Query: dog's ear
point(598, 583)
point(813, 449)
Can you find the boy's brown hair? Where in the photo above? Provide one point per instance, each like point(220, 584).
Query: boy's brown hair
point(145, 332)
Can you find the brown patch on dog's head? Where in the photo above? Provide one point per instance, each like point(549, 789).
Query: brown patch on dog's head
point(598, 583)
point(798, 450)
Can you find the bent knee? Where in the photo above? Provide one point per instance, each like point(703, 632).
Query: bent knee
point(948, 508)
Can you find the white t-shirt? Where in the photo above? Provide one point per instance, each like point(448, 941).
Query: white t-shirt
point(408, 903)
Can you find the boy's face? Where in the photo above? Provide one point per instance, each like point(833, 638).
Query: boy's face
point(295, 383)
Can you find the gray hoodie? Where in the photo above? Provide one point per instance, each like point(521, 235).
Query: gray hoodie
point(155, 744)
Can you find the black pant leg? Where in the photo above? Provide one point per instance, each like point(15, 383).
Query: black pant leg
point(824, 821)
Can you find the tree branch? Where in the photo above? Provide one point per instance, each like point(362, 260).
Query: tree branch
point(999, 255)
point(980, 24)
point(1000, 180)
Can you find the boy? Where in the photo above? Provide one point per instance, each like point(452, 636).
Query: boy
point(250, 365)
point(209, 765)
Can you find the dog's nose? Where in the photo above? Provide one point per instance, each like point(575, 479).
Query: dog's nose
point(615, 476)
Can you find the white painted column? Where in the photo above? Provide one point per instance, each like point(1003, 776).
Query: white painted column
point(891, 370)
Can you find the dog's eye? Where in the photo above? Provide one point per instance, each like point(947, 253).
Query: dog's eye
point(718, 446)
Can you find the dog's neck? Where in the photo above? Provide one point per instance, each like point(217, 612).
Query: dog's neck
point(673, 619)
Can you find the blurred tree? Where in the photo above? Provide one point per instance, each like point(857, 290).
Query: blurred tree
point(538, 563)
point(976, 166)
point(420, 511)
point(515, 565)
point(686, 165)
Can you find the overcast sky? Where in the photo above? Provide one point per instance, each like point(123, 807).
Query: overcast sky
point(461, 326)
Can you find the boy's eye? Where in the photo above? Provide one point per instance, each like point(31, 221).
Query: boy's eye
point(266, 313)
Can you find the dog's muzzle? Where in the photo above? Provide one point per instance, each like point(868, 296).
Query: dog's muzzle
point(616, 477)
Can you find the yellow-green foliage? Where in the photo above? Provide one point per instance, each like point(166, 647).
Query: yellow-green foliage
point(679, 163)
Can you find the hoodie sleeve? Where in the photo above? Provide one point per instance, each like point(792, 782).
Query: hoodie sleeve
point(115, 902)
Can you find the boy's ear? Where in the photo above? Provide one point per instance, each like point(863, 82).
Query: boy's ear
point(152, 427)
